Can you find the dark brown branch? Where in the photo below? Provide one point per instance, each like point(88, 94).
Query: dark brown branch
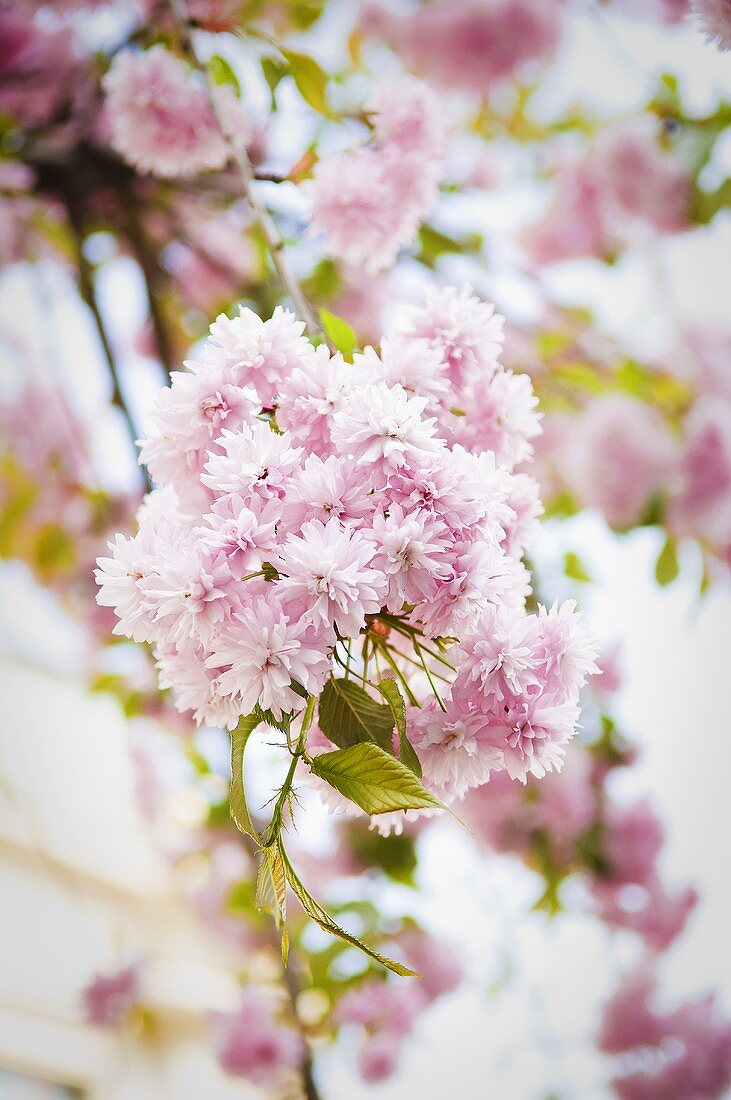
point(88, 294)
point(292, 985)
point(152, 275)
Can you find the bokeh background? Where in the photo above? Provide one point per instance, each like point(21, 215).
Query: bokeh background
point(97, 868)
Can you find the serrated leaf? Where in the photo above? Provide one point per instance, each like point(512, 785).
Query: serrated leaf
point(271, 884)
point(348, 715)
point(389, 689)
point(271, 892)
point(321, 917)
point(237, 796)
point(222, 73)
point(373, 779)
point(339, 333)
point(310, 78)
point(666, 566)
point(282, 724)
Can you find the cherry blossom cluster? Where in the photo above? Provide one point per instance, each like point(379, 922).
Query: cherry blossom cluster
point(683, 1053)
point(160, 117)
point(308, 505)
point(625, 188)
point(370, 200)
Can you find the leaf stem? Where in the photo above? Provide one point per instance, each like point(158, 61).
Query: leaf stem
point(433, 686)
point(404, 682)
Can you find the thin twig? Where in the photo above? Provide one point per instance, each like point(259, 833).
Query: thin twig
point(272, 236)
point(88, 294)
point(151, 273)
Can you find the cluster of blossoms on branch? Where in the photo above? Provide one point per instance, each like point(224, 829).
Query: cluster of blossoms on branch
point(321, 522)
point(371, 200)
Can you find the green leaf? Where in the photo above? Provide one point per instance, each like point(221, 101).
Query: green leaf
point(339, 333)
point(273, 71)
point(433, 244)
point(395, 855)
point(271, 892)
point(222, 73)
point(389, 689)
point(237, 797)
point(574, 567)
point(321, 917)
point(373, 779)
point(282, 724)
point(310, 79)
point(348, 715)
point(666, 566)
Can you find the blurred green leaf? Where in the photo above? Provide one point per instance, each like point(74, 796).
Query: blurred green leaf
point(311, 80)
point(574, 567)
point(339, 333)
point(666, 566)
point(222, 73)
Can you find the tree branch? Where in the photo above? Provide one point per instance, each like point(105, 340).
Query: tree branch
point(88, 294)
point(272, 236)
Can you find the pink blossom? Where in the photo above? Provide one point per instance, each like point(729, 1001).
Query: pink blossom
point(478, 575)
point(455, 748)
point(690, 1045)
point(183, 668)
point(410, 363)
point(468, 492)
point(629, 1021)
point(261, 651)
point(370, 200)
point(244, 534)
point(522, 526)
point(473, 44)
point(410, 551)
point(253, 461)
point(160, 116)
point(330, 568)
point(503, 417)
point(621, 454)
point(498, 656)
point(39, 67)
point(532, 735)
point(121, 577)
point(378, 1005)
point(650, 911)
point(109, 998)
point(574, 224)
point(703, 503)
point(369, 203)
point(187, 417)
point(466, 332)
point(327, 488)
point(252, 1043)
point(311, 394)
point(190, 594)
point(407, 117)
point(633, 837)
point(608, 680)
point(382, 426)
point(437, 965)
point(263, 353)
point(641, 181)
point(564, 650)
point(378, 1057)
